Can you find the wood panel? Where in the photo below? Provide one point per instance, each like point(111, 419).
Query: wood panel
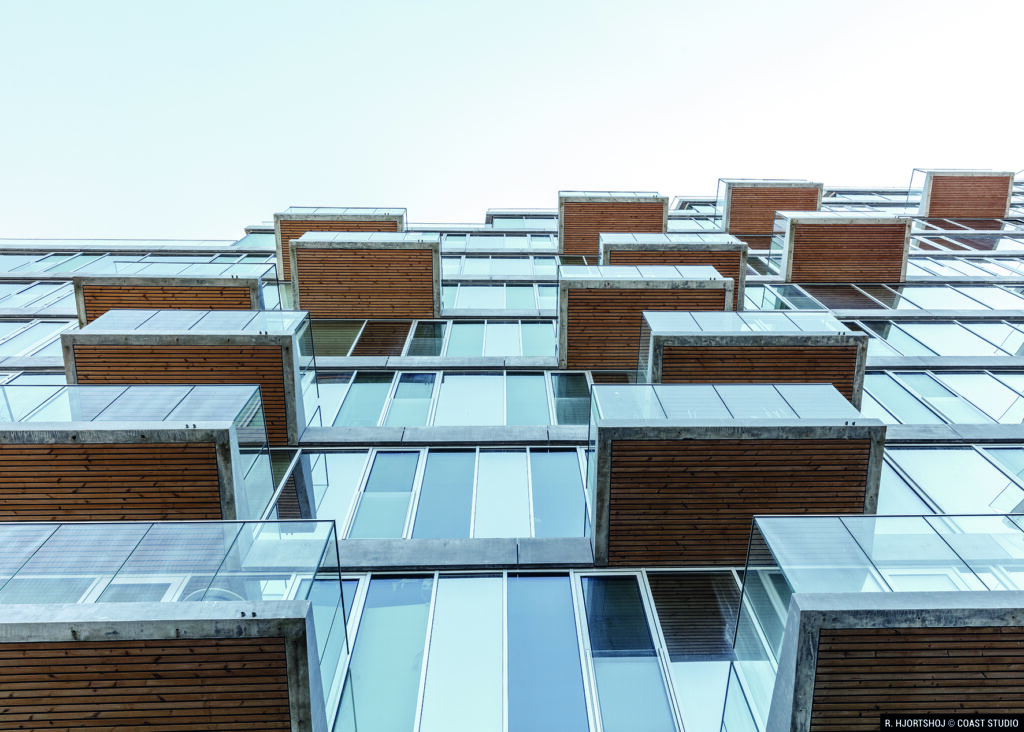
point(166, 685)
point(366, 283)
point(865, 672)
point(101, 298)
point(752, 210)
point(193, 364)
point(691, 502)
point(848, 252)
point(101, 482)
point(294, 228)
point(969, 196)
point(603, 325)
point(834, 365)
point(584, 221)
point(726, 263)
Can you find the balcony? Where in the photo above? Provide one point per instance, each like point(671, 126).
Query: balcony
point(131, 623)
point(361, 275)
point(600, 308)
point(752, 348)
point(727, 254)
point(584, 215)
point(677, 471)
point(747, 208)
point(132, 453)
point(271, 349)
point(297, 220)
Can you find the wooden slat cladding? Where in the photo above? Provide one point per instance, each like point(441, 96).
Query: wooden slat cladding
point(293, 229)
point(101, 482)
point(689, 503)
point(969, 196)
point(848, 252)
point(865, 672)
point(584, 221)
point(603, 328)
point(167, 685)
point(761, 365)
point(752, 210)
point(366, 283)
point(151, 364)
point(726, 263)
point(101, 298)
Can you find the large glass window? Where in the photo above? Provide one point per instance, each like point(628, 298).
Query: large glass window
point(385, 501)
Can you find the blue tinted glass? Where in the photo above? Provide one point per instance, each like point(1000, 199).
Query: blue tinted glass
point(527, 398)
point(558, 505)
point(411, 402)
point(446, 498)
point(364, 400)
point(383, 679)
point(630, 688)
point(385, 501)
point(467, 339)
point(545, 684)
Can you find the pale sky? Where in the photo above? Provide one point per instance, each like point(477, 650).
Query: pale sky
point(192, 119)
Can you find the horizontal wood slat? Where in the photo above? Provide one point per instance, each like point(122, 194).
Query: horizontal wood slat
point(848, 252)
point(136, 482)
point(690, 502)
point(761, 365)
point(726, 263)
point(170, 685)
point(969, 196)
point(865, 672)
point(697, 613)
point(752, 210)
point(584, 221)
point(263, 365)
point(99, 299)
point(366, 283)
point(603, 325)
point(295, 228)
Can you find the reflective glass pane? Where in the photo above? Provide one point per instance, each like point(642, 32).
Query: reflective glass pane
point(336, 475)
point(630, 688)
point(538, 339)
point(502, 496)
point(559, 508)
point(944, 474)
point(383, 681)
point(463, 688)
point(545, 683)
point(411, 402)
point(467, 340)
point(427, 339)
point(950, 339)
point(997, 400)
point(898, 401)
point(365, 399)
point(526, 399)
point(572, 398)
point(941, 398)
point(385, 501)
point(520, 297)
point(502, 339)
point(446, 496)
point(471, 399)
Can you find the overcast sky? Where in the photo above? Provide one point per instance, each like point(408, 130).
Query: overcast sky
point(145, 118)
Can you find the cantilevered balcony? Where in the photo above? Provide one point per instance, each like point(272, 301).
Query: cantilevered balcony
point(746, 208)
point(297, 220)
point(133, 453)
point(868, 615)
point(726, 253)
point(213, 626)
point(205, 286)
point(584, 215)
point(964, 194)
point(359, 275)
point(272, 349)
point(600, 308)
point(840, 247)
point(676, 471)
point(752, 348)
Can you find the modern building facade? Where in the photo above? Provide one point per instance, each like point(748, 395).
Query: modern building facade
point(748, 461)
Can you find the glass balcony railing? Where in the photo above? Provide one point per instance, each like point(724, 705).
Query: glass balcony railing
point(75, 563)
point(856, 554)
